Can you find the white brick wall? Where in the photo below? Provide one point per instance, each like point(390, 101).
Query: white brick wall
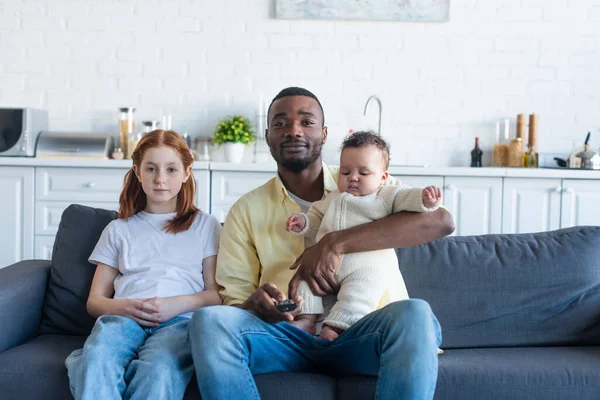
point(441, 84)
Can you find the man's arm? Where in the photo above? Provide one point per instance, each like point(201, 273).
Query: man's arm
point(403, 229)
point(238, 271)
point(238, 266)
point(398, 230)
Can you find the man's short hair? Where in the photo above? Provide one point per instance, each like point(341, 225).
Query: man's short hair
point(296, 91)
point(367, 138)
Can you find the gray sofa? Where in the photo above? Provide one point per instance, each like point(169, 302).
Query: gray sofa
point(520, 316)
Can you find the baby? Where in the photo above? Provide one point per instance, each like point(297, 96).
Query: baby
point(363, 197)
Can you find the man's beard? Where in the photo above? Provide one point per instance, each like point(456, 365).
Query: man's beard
point(297, 165)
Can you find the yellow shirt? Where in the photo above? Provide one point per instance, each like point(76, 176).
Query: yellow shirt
point(256, 249)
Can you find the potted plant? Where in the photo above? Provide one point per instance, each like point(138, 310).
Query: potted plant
point(234, 133)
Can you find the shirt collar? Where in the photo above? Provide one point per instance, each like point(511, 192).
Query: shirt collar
point(329, 183)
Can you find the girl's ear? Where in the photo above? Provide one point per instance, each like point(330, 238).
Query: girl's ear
point(137, 172)
point(188, 172)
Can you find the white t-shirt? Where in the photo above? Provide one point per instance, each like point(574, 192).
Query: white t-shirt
point(152, 262)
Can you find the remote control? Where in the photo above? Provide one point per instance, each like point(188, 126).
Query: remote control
point(286, 305)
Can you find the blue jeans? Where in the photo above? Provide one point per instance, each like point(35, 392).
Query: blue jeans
point(398, 344)
point(122, 360)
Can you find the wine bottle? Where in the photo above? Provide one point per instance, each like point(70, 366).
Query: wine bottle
point(476, 154)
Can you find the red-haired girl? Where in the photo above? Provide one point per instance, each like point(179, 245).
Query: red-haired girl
point(155, 266)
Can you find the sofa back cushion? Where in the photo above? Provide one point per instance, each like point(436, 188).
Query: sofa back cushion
point(71, 275)
point(510, 290)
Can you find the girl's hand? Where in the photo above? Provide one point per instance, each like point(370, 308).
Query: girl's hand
point(166, 307)
point(432, 196)
point(141, 311)
point(295, 223)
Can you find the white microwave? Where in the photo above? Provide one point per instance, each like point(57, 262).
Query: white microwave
point(19, 130)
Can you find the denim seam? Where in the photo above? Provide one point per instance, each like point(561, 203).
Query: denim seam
point(264, 334)
point(334, 344)
point(244, 359)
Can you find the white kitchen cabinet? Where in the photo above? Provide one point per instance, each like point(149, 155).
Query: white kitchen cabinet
point(420, 181)
point(228, 186)
point(79, 185)
point(43, 247)
point(475, 203)
point(49, 213)
point(16, 214)
point(203, 190)
point(531, 205)
point(580, 203)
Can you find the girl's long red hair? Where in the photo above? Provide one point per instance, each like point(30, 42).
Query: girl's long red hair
point(133, 198)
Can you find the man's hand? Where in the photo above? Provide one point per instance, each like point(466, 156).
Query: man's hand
point(317, 266)
point(263, 301)
point(432, 196)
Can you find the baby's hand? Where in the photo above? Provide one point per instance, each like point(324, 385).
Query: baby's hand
point(295, 223)
point(432, 196)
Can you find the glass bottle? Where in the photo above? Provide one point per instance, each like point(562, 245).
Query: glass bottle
point(125, 127)
point(501, 146)
point(476, 154)
point(531, 157)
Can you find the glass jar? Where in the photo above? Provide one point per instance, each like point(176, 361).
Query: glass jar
point(133, 140)
point(202, 147)
point(149, 126)
point(516, 153)
point(125, 127)
point(117, 154)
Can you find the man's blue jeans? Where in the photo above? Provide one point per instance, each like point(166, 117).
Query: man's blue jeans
point(122, 360)
point(398, 344)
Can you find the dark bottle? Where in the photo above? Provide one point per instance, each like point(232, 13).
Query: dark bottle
point(476, 154)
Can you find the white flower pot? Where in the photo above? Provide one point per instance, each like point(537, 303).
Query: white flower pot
point(234, 152)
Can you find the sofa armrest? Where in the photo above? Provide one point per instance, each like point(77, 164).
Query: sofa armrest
point(22, 293)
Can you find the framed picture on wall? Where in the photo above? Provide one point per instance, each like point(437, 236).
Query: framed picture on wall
point(371, 10)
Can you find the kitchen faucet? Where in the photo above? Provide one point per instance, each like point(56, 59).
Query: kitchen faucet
point(380, 110)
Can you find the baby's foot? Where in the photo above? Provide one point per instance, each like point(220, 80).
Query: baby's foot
point(306, 325)
point(328, 333)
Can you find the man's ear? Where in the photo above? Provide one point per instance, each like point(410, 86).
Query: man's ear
point(267, 136)
point(324, 134)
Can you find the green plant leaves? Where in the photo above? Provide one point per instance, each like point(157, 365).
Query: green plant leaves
point(235, 129)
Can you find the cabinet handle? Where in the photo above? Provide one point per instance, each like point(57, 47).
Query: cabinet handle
point(558, 189)
point(450, 187)
point(568, 190)
point(90, 184)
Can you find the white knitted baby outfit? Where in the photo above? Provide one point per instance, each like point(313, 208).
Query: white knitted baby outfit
point(363, 277)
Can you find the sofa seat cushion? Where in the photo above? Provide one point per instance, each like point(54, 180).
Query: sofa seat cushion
point(36, 369)
point(296, 386)
point(529, 373)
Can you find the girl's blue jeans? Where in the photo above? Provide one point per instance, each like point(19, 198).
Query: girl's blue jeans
point(123, 360)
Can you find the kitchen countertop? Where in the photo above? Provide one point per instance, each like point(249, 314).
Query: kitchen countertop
point(271, 167)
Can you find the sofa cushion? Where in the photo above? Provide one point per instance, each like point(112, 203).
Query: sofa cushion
point(36, 369)
point(71, 275)
point(505, 373)
point(510, 290)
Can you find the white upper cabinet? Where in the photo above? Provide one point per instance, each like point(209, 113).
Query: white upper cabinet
point(475, 203)
point(531, 205)
point(580, 203)
point(420, 181)
point(16, 214)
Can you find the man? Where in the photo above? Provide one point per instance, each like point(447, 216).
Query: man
point(396, 343)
